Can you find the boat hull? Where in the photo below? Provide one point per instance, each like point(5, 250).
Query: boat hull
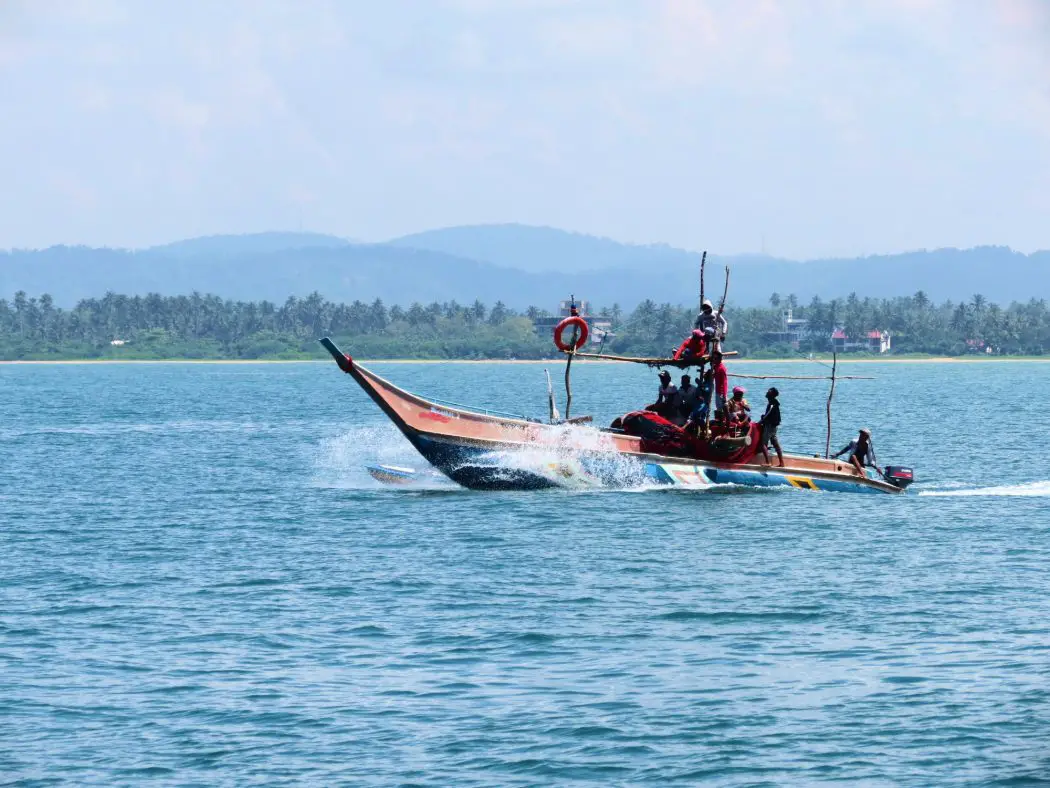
point(483, 451)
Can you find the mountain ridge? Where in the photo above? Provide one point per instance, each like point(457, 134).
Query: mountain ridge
point(413, 268)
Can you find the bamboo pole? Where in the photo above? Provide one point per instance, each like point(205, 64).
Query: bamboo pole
point(572, 354)
point(692, 361)
point(834, 368)
point(703, 262)
point(568, 385)
point(722, 304)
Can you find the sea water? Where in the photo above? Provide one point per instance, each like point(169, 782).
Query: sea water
point(200, 584)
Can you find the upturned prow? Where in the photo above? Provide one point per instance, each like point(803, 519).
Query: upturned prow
point(342, 359)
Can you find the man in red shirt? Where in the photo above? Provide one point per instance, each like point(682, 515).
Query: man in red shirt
point(721, 380)
point(693, 346)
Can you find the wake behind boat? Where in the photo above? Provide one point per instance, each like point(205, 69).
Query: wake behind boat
point(485, 451)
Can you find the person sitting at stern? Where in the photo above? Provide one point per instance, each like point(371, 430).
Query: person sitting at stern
point(861, 452)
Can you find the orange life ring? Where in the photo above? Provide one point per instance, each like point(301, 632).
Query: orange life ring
point(575, 320)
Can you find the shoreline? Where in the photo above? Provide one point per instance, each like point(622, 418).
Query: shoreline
point(735, 361)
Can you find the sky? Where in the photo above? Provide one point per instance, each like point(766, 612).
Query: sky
point(804, 128)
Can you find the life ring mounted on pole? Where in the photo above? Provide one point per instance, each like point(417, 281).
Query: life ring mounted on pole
point(581, 340)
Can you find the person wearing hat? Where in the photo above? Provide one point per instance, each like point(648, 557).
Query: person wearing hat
point(770, 421)
point(739, 410)
point(693, 346)
point(665, 397)
point(861, 451)
point(709, 318)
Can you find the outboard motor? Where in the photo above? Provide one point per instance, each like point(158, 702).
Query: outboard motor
point(899, 476)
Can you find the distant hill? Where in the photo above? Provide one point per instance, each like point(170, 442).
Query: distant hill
point(542, 249)
point(252, 243)
point(342, 273)
point(276, 265)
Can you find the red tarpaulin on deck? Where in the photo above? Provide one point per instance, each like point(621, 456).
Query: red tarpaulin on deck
point(659, 436)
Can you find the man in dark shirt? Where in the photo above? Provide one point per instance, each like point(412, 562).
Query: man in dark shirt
point(861, 452)
point(770, 421)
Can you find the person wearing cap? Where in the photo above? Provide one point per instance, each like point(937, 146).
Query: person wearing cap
point(770, 421)
point(693, 346)
point(709, 318)
point(861, 452)
point(739, 410)
point(665, 397)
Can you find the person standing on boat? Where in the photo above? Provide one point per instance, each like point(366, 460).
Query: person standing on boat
point(720, 377)
point(709, 318)
point(693, 346)
point(861, 452)
point(769, 422)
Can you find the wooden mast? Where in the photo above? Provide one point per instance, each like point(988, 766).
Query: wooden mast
point(571, 354)
point(834, 367)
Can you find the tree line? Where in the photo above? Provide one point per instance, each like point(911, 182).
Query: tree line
point(207, 326)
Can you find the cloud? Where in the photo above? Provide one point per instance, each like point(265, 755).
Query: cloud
point(598, 114)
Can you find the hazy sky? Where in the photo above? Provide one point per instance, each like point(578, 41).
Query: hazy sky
point(825, 126)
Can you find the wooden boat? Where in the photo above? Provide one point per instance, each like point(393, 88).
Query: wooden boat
point(485, 451)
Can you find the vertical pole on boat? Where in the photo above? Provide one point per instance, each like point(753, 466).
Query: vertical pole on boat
point(722, 307)
point(703, 262)
point(554, 416)
point(573, 311)
point(834, 367)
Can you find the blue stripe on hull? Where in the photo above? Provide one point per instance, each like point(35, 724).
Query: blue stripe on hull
point(748, 478)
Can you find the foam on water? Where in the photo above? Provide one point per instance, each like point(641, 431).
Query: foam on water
point(340, 461)
point(1040, 489)
point(578, 458)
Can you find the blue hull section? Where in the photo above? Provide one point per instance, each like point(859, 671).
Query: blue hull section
point(480, 468)
point(475, 469)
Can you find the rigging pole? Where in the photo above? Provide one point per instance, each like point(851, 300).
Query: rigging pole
point(834, 367)
point(703, 262)
point(573, 312)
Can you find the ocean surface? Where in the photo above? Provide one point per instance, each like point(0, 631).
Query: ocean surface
point(200, 585)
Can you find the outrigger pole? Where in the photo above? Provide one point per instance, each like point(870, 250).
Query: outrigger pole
point(798, 377)
point(681, 363)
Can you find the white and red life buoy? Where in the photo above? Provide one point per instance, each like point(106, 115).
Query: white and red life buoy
point(581, 339)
